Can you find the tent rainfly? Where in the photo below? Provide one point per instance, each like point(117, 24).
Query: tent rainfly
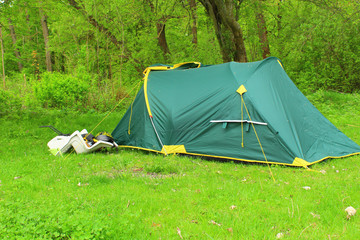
point(240, 111)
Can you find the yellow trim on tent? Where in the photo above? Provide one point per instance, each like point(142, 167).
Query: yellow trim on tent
point(131, 111)
point(164, 68)
point(180, 64)
point(300, 162)
point(139, 148)
point(214, 156)
point(156, 68)
point(173, 149)
point(241, 90)
point(280, 63)
point(145, 91)
point(159, 68)
point(349, 155)
point(240, 159)
point(146, 75)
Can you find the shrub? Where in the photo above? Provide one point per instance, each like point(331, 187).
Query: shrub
point(9, 102)
point(56, 90)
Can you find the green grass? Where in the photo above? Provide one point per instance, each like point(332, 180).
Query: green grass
point(139, 195)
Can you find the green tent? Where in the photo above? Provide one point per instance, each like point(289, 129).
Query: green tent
point(241, 111)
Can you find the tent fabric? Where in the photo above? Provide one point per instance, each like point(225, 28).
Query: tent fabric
point(242, 111)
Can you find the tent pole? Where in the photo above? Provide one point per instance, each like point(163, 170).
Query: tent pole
point(162, 145)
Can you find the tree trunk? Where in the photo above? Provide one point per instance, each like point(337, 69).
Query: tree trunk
point(192, 5)
point(262, 31)
point(45, 31)
point(110, 74)
point(279, 17)
point(2, 57)
point(162, 38)
point(29, 32)
point(16, 51)
point(227, 29)
point(160, 29)
point(239, 51)
point(221, 35)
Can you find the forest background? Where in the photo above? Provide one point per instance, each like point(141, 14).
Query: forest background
point(62, 57)
point(87, 55)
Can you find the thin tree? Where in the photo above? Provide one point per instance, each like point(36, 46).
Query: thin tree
point(262, 30)
point(193, 8)
point(2, 56)
point(16, 51)
point(45, 30)
point(160, 28)
point(161, 36)
point(227, 29)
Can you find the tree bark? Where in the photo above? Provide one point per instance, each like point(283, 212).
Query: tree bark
point(160, 29)
point(279, 17)
point(192, 5)
point(262, 32)
point(221, 35)
point(162, 38)
point(2, 57)
point(227, 29)
point(16, 51)
point(45, 31)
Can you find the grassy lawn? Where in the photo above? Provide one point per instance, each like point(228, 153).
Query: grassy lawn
point(133, 194)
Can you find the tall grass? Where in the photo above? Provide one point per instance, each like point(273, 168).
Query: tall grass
point(139, 195)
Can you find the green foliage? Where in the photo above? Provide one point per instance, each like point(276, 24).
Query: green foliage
point(57, 90)
point(9, 103)
point(59, 222)
point(107, 44)
point(318, 44)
